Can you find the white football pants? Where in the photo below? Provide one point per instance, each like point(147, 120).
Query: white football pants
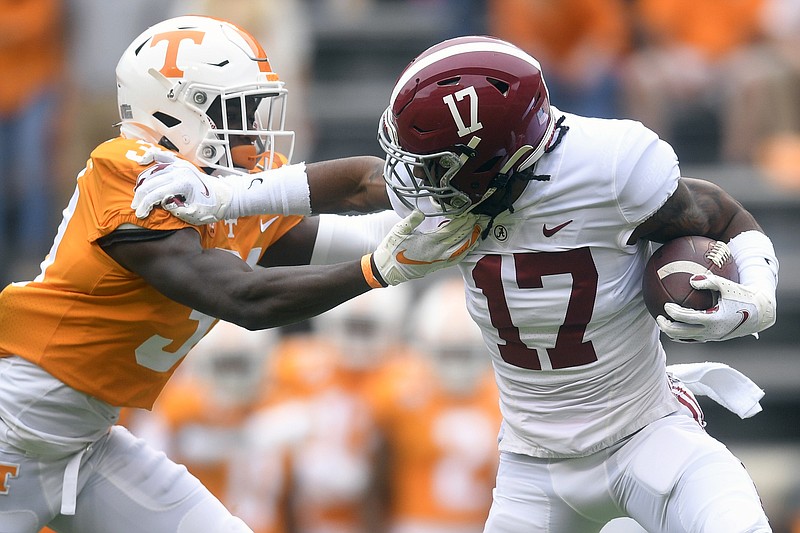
point(123, 485)
point(671, 477)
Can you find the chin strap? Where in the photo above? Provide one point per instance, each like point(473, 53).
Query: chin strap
point(502, 199)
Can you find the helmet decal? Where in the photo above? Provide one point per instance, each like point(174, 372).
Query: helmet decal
point(474, 124)
point(174, 40)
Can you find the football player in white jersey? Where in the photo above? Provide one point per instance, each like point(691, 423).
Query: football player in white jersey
point(591, 430)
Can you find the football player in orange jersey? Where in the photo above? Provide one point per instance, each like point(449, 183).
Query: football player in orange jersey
point(317, 418)
point(120, 299)
point(262, 475)
point(333, 466)
point(439, 421)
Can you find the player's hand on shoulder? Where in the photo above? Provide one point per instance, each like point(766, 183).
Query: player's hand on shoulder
point(409, 252)
point(740, 310)
point(181, 188)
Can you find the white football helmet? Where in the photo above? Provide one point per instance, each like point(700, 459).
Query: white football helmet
point(231, 359)
point(205, 88)
point(443, 330)
point(364, 328)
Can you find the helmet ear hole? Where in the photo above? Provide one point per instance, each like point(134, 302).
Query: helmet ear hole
point(449, 81)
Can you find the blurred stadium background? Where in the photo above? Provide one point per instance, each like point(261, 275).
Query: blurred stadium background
point(721, 82)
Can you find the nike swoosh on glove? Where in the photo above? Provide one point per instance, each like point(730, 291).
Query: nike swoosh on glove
point(741, 310)
point(406, 253)
point(183, 189)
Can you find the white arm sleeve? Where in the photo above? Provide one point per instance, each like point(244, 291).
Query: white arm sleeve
point(347, 238)
point(282, 190)
point(756, 261)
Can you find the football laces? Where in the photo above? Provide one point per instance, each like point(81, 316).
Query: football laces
point(719, 254)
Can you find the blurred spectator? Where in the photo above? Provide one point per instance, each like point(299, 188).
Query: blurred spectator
point(31, 63)
point(261, 474)
point(779, 99)
point(283, 27)
point(437, 409)
point(578, 42)
point(704, 79)
point(315, 431)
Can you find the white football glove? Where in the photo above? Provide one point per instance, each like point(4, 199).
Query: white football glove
point(182, 189)
point(406, 254)
point(741, 310)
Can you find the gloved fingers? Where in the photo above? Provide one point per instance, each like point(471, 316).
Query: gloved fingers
point(708, 281)
point(151, 199)
point(411, 222)
point(680, 331)
point(684, 314)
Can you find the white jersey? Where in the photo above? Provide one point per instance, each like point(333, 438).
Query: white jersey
point(557, 293)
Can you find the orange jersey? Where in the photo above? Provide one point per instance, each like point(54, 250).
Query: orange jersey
point(97, 326)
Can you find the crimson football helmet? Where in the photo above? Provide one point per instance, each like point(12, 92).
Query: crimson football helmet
point(463, 117)
point(204, 88)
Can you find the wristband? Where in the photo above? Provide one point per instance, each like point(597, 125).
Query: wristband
point(280, 191)
point(755, 259)
point(370, 273)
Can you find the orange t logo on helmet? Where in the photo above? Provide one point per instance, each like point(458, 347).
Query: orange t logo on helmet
point(174, 38)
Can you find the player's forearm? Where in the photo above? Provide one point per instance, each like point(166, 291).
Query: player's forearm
point(279, 296)
point(342, 186)
point(349, 185)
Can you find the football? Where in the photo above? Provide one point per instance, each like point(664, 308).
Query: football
point(669, 269)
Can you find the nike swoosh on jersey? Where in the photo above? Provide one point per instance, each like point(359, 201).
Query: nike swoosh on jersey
point(267, 223)
point(549, 232)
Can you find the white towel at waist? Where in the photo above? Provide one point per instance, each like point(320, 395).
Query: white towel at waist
point(723, 384)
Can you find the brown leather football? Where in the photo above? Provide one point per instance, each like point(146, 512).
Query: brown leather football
point(666, 276)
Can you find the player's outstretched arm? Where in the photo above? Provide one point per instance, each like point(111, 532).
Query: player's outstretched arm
point(221, 285)
point(701, 208)
point(348, 185)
